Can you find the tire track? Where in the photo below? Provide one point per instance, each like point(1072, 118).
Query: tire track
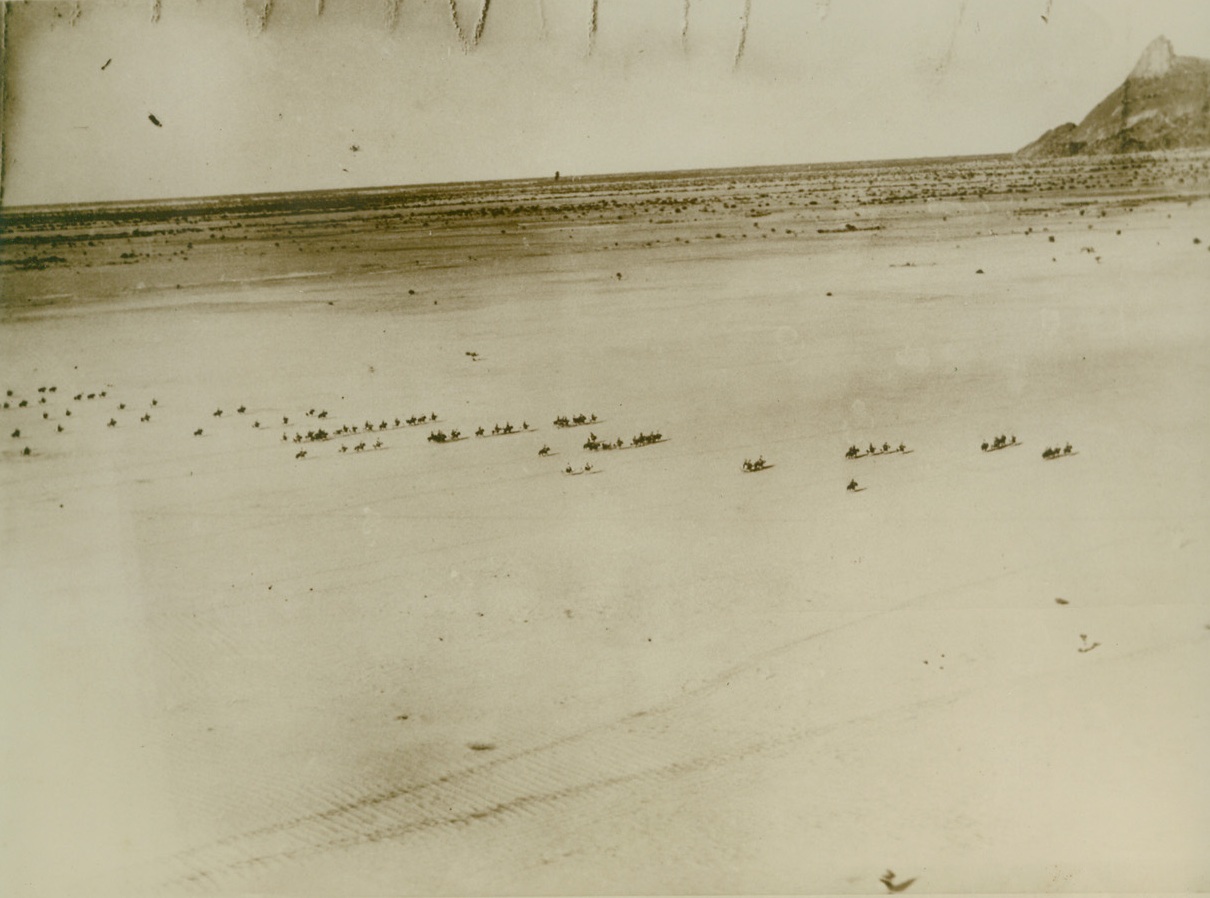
point(634, 748)
point(707, 726)
point(519, 782)
point(479, 799)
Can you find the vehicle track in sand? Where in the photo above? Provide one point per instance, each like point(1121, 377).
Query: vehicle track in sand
point(705, 727)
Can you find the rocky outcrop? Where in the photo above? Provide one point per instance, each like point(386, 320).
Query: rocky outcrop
point(1163, 104)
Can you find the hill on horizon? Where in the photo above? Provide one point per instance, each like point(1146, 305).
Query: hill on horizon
point(1163, 104)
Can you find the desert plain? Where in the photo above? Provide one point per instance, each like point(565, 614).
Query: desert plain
point(239, 659)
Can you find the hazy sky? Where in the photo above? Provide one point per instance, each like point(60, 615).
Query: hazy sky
point(244, 108)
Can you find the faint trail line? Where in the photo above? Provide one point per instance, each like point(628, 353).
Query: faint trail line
point(155, 11)
point(528, 781)
point(685, 25)
point(342, 824)
point(949, 50)
point(460, 799)
point(592, 27)
point(744, 17)
point(542, 19)
point(540, 799)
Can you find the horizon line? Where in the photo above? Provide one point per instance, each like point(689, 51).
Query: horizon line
point(199, 199)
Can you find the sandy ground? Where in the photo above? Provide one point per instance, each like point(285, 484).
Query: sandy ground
point(452, 669)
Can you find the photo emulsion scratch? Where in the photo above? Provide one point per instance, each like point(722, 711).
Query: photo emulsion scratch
point(3, 95)
point(481, 21)
point(732, 456)
point(744, 17)
point(391, 13)
point(256, 14)
point(470, 41)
